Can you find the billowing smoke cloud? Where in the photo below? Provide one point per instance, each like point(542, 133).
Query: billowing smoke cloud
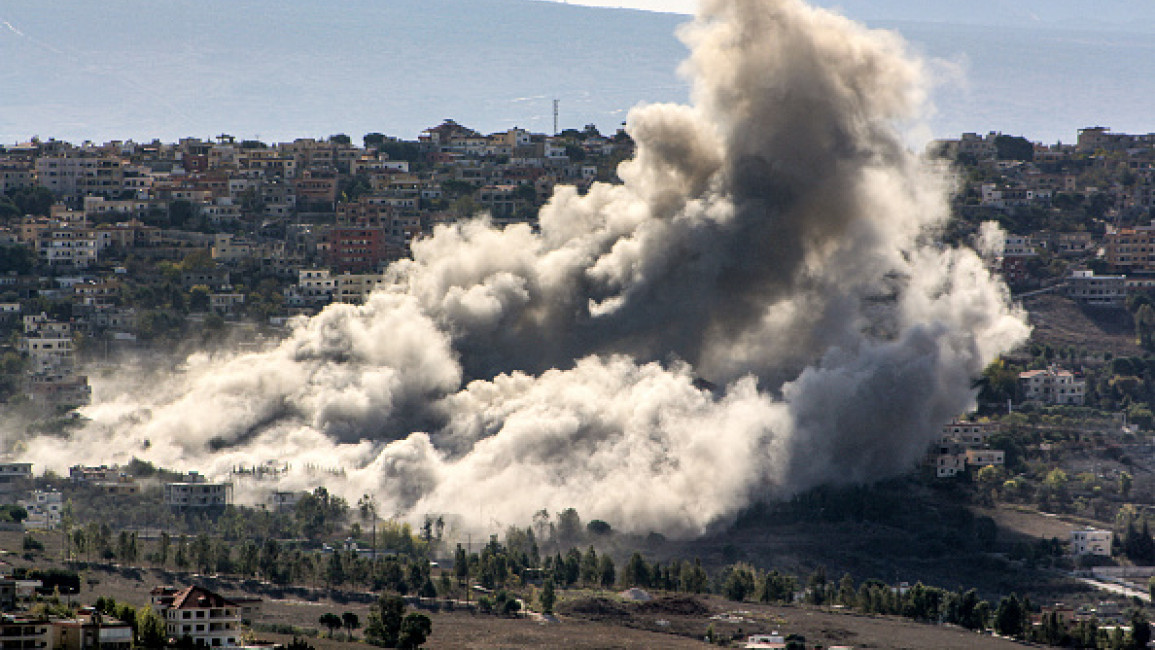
point(775, 239)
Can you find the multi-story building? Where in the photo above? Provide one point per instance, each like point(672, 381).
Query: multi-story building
point(1053, 385)
point(962, 444)
point(1093, 290)
point(15, 176)
point(196, 492)
point(284, 500)
point(1130, 249)
point(44, 509)
point(91, 630)
point(356, 249)
point(206, 617)
point(1090, 541)
point(315, 287)
point(968, 434)
point(985, 457)
point(24, 632)
point(355, 288)
point(67, 245)
point(14, 475)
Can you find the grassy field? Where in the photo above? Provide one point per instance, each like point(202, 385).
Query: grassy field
point(585, 620)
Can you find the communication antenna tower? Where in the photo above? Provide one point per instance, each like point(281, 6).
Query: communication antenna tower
point(555, 103)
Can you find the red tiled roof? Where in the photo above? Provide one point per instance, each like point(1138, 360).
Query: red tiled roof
point(195, 597)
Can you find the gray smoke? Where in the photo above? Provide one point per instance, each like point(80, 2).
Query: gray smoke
point(776, 238)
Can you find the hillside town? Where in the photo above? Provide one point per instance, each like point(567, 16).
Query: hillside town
point(121, 246)
point(127, 248)
point(124, 245)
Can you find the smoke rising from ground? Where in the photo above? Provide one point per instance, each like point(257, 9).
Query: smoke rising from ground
point(776, 238)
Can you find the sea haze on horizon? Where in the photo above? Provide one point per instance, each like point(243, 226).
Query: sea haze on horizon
point(277, 71)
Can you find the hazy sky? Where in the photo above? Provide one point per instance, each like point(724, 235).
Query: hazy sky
point(675, 6)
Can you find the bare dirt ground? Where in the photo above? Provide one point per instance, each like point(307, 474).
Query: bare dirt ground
point(585, 620)
point(1059, 322)
point(1029, 524)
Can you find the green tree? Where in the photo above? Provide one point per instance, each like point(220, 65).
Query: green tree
point(415, 629)
point(606, 571)
point(165, 545)
point(385, 624)
point(589, 568)
point(1140, 630)
point(1010, 618)
point(569, 527)
point(548, 597)
point(17, 259)
point(1056, 480)
point(999, 382)
point(846, 593)
point(181, 213)
point(738, 584)
point(331, 621)
point(351, 622)
point(150, 628)
point(636, 572)
point(598, 528)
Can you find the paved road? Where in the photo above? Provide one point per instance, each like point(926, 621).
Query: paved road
point(1116, 588)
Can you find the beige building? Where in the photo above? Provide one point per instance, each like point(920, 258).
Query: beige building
point(24, 632)
point(1130, 248)
point(1053, 386)
point(91, 631)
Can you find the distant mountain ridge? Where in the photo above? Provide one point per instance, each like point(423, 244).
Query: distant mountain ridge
point(1096, 15)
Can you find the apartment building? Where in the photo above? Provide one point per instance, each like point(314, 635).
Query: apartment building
point(1108, 291)
point(206, 617)
point(1130, 249)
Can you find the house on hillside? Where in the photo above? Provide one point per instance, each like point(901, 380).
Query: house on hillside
point(1091, 541)
point(196, 492)
point(91, 630)
point(206, 617)
point(1053, 385)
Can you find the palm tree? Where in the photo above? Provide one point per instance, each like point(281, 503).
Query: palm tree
point(351, 622)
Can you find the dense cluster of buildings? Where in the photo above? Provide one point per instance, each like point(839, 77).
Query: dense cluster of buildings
point(962, 445)
point(318, 219)
point(89, 630)
point(1104, 184)
point(199, 616)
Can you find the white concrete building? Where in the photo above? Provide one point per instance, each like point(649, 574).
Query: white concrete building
point(44, 509)
point(206, 617)
point(1091, 541)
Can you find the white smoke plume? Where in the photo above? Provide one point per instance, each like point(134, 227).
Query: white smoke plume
point(776, 239)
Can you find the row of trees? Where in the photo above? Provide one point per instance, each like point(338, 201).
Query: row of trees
point(1011, 617)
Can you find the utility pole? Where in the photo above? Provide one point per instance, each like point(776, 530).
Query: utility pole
point(555, 103)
